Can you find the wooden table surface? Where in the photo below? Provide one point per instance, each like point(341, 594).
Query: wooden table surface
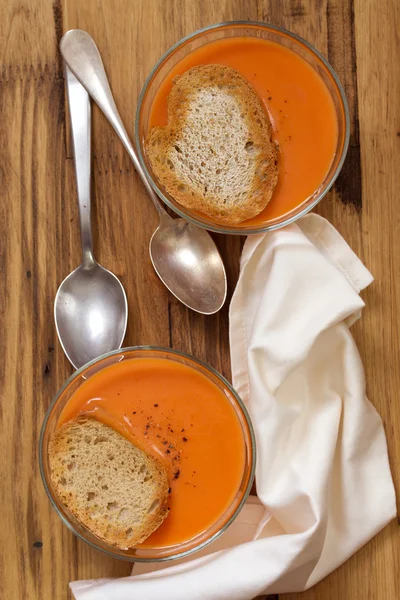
point(39, 243)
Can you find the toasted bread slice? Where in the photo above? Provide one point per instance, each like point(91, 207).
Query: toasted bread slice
point(116, 490)
point(216, 155)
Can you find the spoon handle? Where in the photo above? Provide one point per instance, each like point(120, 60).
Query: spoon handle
point(79, 112)
point(83, 58)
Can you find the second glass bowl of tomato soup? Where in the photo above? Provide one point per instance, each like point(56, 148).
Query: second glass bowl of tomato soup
point(184, 414)
point(304, 99)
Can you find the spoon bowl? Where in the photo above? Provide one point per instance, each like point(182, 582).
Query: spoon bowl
point(175, 248)
point(90, 313)
point(184, 256)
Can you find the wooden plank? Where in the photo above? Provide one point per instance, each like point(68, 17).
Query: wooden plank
point(27, 38)
point(378, 89)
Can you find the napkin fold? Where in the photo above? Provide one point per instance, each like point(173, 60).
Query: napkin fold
point(323, 480)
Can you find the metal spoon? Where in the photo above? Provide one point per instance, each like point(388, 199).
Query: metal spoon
point(90, 308)
point(184, 256)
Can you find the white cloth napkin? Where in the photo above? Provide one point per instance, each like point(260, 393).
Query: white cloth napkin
point(323, 478)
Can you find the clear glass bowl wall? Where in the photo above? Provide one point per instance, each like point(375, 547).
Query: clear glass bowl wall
point(243, 29)
point(138, 554)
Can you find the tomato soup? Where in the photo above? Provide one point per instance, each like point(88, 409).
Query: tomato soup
point(183, 419)
point(300, 106)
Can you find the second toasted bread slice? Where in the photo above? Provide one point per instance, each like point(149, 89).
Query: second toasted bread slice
point(116, 490)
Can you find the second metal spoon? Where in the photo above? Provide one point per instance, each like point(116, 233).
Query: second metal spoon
point(184, 256)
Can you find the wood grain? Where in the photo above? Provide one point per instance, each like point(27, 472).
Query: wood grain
point(39, 243)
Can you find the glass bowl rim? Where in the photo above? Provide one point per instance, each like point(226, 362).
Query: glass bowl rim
point(237, 399)
point(291, 219)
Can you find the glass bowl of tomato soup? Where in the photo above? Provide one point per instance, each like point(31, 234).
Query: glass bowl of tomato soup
point(181, 412)
point(302, 94)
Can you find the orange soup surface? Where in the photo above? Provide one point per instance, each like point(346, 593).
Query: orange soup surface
point(177, 415)
point(300, 106)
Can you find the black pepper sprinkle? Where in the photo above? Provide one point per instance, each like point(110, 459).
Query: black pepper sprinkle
point(148, 426)
point(182, 430)
point(165, 442)
point(171, 446)
point(156, 405)
point(169, 490)
point(134, 412)
point(168, 451)
point(176, 474)
point(184, 439)
point(269, 97)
